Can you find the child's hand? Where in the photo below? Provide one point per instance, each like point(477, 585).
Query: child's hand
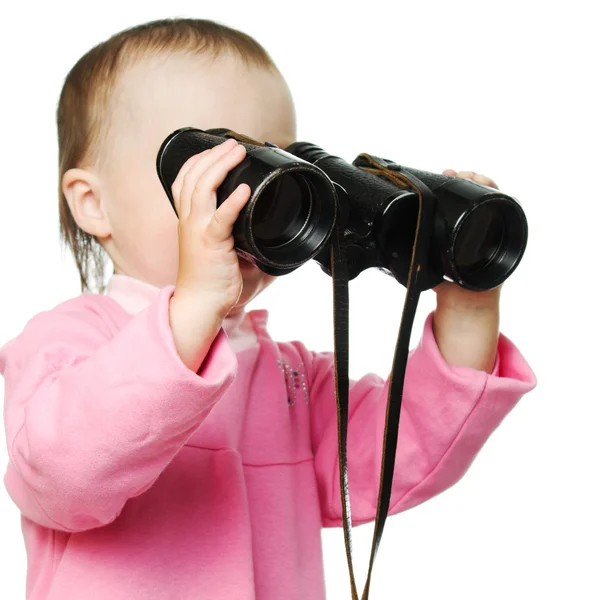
point(208, 264)
point(209, 281)
point(466, 323)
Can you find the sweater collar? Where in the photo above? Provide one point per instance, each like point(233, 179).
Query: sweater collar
point(134, 295)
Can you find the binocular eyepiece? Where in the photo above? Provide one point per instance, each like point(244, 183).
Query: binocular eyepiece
point(298, 193)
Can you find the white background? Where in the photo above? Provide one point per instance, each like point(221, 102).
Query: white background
point(508, 89)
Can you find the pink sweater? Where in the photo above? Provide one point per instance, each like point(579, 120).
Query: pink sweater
point(140, 479)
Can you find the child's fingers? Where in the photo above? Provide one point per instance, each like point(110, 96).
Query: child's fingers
point(178, 182)
point(192, 169)
point(203, 200)
point(196, 171)
point(477, 177)
point(449, 172)
point(207, 160)
point(221, 225)
point(483, 180)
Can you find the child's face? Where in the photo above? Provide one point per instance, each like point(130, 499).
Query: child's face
point(154, 98)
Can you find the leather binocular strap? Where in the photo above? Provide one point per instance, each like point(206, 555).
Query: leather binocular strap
point(241, 138)
point(339, 274)
point(339, 271)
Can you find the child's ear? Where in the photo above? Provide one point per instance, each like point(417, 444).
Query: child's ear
point(82, 190)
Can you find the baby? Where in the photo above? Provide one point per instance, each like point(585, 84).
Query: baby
point(162, 445)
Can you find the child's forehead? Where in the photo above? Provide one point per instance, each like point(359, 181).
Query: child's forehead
point(169, 76)
point(173, 90)
point(171, 73)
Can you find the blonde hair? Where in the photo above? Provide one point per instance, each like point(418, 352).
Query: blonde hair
point(84, 98)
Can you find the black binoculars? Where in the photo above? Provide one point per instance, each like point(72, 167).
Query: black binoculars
point(301, 192)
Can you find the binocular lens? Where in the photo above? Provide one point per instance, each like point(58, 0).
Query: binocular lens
point(282, 211)
point(291, 217)
point(479, 239)
point(489, 243)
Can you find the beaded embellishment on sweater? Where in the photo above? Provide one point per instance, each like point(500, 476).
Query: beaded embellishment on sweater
point(295, 379)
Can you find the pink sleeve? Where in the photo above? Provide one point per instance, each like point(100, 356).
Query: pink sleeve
point(92, 419)
point(447, 415)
